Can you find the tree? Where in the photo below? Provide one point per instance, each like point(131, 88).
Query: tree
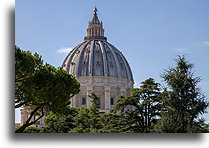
point(88, 119)
point(82, 122)
point(141, 107)
point(61, 122)
point(31, 129)
point(48, 89)
point(26, 66)
point(184, 101)
point(113, 123)
point(85, 120)
point(95, 114)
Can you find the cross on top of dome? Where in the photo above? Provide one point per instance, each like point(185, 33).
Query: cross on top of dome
point(95, 29)
point(95, 10)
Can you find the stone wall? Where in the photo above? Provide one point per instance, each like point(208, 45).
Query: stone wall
point(104, 87)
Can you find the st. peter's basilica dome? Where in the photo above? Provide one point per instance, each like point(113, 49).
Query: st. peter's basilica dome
point(99, 67)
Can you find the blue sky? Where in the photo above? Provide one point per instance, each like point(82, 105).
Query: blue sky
point(149, 33)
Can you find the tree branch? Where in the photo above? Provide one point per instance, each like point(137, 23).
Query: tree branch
point(28, 123)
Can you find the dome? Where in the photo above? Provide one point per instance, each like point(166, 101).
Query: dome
point(95, 57)
point(99, 67)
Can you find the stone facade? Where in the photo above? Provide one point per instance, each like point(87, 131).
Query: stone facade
point(106, 88)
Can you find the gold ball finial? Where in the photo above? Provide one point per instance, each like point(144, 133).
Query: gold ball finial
point(95, 10)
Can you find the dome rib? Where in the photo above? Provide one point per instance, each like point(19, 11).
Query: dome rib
point(116, 60)
point(76, 60)
point(67, 59)
point(127, 68)
point(91, 58)
point(80, 57)
point(104, 59)
point(98, 63)
point(70, 56)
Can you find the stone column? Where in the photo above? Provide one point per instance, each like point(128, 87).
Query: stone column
point(87, 32)
point(24, 115)
point(89, 90)
point(74, 104)
point(42, 120)
point(107, 97)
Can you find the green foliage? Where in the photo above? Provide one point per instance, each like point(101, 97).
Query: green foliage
point(51, 88)
point(82, 121)
point(184, 101)
point(113, 123)
point(41, 88)
point(26, 66)
point(88, 119)
point(47, 90)
point(95, 105)
point(85, 120)
point(61, 122)
point(95, 115)
point(75, 119)
point(198, 126)
point(31, 129)
point(141, 107)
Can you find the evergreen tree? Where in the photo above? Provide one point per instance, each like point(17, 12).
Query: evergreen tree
point(95, 115)
point(113, 123)
point(82, 122)
point(61, 122)
point(88, 119)
point(141, 108)
point(184, 101)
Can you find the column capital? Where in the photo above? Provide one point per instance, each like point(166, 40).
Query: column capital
point(89, 88)
point(107, 88)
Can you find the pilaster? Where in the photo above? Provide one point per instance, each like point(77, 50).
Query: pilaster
point(89, 90)
point(107, 97)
